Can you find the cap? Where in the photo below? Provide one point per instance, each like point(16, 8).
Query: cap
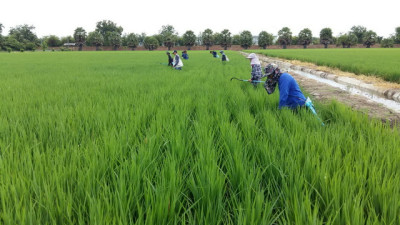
point(251, 56)
point(175, 51)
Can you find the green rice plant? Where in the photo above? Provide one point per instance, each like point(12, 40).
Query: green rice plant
point(375, 62)
point(118, 138)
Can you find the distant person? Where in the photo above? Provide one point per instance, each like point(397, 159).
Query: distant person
point(224, 57)
point(185, 55)
point(290, 94)
point(170, 60)
point(214, 53)
point(256, 71)
point(177, 63)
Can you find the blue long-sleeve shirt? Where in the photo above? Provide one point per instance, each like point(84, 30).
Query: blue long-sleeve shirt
point(290, 94)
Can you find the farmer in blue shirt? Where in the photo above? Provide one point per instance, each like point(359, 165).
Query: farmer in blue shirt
point(224, 58)
point(185, 55)
point(290, 94)
point(214, 53)
point(256, 71)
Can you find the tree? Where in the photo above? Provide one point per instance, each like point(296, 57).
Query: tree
point(315, 40)
point(369, 38)
point(141, 38)
point(169, 36)
point(67, 39)
point(132, 41)
point(305, 37)
point(295, 40)
point(12, 43)
point(207, 38)
point(325, 37)
point(397, 36)
point(246, 39)
point(189, 39)
point(150, 43)
point(226, 39)
point(265, 39)
point(359, 31)
point(236, 39)
point(387, 43)
point(53, 41)
point(284, 37)
point(217, 38)
point(24, 33)
point(25, 36)
point(115, 40)
point(95, 38)
point(1, 37)
point(80, 37)
point(105, 28)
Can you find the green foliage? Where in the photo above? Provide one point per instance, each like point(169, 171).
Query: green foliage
point(225, 39)
point(95, 39)
point(30, 46)
point(236, 39)
point(284, 37)
point(106, 29)
point(356, 60)
point(141, 38)
point(325, 37)
point(207, 38)
point(359, 31)
point(265, 39)
point(44, 45)
point(387, 43)
point(397, 36)
point(347, 40)
point(189, 39)
point(52, 41)
point(132, 41)
point(11, 42)
point(150, 43)
point(369, 38)
point(67, 39)
point(246, 39)
point(80, 37)
point(1, 37)
point(115, 40)
point(169, 36)
point(111, 138)
point(217, 38)
point(23, 33)
point(305, 37)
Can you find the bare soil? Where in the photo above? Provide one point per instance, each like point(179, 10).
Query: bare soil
point(326, 93)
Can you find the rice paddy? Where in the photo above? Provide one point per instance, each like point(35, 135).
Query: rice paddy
point(380, 62)
point(118, 138)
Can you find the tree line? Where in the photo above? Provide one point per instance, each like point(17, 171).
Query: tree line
point(108, 33)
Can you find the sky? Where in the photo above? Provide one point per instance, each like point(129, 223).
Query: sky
point(62, 18)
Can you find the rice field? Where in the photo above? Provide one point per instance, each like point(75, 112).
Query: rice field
point(118, 138)
point(380, 62)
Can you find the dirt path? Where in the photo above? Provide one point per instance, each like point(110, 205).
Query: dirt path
point(325, 93)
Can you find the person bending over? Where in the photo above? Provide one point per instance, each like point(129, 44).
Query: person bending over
point(290, 94)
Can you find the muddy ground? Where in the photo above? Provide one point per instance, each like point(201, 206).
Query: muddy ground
point(325, 93)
